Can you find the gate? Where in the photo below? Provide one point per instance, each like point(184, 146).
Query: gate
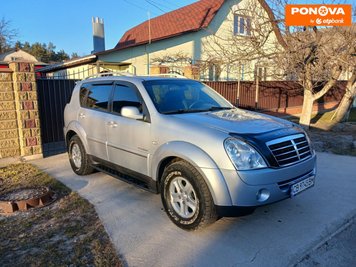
point(53, 95)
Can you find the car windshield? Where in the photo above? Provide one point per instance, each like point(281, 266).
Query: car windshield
point(173, 96)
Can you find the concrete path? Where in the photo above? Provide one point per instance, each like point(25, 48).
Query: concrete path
point(276, 235)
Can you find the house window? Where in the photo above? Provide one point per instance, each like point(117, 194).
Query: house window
point(242, 25)
point(214, 72)
point(261, 73)
point(16, 58)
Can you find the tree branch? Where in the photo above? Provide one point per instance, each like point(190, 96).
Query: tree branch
point(336, 74)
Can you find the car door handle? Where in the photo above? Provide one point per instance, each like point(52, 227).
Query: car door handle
point(112, 124)
point(81, 115)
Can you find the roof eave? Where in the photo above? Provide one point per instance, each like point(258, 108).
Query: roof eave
point(71, 63)
point(147, 42)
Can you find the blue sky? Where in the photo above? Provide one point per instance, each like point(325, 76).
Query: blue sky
point(67, 23)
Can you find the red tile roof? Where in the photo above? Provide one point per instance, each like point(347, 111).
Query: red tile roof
point(190, 18)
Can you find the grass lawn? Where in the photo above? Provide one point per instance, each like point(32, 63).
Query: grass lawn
point(353, 115)
point(65, 233)
point(326, 117)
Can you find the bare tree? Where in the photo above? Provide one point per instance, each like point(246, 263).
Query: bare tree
point(346, 101)
point(7, 35)
point(178, 57)
point(246, 38)
point(176, 61)
point(349, 66)
point(315, 57)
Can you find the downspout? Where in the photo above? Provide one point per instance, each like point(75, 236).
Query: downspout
point(147, 61)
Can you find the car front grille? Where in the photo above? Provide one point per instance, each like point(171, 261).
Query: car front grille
point(290, 149)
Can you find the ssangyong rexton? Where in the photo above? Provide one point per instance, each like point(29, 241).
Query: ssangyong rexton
point(181, 139)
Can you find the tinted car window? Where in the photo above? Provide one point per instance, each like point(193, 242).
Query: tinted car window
point(183, 95)
point(83, 94)
point(98, 97)
point(125, 96)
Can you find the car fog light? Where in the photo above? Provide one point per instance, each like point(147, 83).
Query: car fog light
point(263, 195)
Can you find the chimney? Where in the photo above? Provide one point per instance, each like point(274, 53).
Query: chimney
point(98, 35)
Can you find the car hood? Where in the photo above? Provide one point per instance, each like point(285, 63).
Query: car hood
point(236, 121)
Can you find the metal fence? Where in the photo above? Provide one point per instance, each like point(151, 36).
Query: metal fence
point(271, 95)
point(71, 74)
point(53, 95)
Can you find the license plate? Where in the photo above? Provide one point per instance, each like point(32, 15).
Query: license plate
point(301, 186)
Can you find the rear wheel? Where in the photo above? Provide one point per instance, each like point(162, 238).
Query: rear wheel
point(186, 197)
point(78, 158)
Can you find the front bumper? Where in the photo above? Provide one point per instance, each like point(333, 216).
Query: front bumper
point(245, 187)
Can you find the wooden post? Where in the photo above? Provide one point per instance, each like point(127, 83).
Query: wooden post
point(97, 67)
point(257, 92)
point(238, 92)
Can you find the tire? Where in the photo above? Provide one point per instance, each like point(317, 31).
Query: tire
point(78, 158)
point(186, 197)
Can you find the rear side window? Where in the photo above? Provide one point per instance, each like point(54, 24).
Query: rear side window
point(96, 97)
point(83, 94)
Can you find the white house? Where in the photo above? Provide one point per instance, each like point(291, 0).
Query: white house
point(192, 39)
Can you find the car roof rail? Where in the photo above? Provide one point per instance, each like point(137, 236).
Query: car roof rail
point(120, 73)
point(113, 73)
point(170, 75)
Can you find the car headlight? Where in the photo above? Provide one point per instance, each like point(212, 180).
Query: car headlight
point(242, 155)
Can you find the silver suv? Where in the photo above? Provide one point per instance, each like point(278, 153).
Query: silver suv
point(181, 139)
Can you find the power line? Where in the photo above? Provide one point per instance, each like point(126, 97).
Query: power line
point(155, 5)
point(163, 6)
point(175, 6)
point(168, 5)
point(137, 6)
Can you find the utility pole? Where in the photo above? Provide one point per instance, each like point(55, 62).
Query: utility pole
point(149, 42)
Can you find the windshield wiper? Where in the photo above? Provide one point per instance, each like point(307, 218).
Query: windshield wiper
point(219, 108)
point(180, 111)
point(214, 109)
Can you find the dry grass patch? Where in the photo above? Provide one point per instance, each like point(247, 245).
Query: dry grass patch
point(326, 118)
point(66, 233)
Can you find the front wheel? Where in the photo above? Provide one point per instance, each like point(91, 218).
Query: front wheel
point(78, 157)
point(186, 197)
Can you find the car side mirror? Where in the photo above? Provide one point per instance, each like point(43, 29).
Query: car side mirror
point(132, 113)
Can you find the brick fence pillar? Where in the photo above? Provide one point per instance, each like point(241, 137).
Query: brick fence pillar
point(26, 106)
point(9, 136)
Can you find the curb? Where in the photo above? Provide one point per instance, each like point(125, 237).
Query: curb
point(7, 161)
point(14, 160)
point(299, 257)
